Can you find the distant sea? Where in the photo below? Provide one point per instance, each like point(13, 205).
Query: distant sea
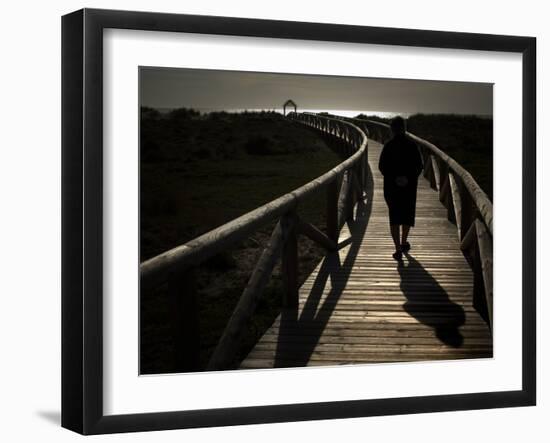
point(343, 112)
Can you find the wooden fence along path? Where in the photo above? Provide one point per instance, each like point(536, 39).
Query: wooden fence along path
point(359, 305)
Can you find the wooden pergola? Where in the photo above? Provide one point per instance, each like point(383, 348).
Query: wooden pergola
point(289, 103)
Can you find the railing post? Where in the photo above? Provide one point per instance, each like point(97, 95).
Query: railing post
point(485, 248)
point(289, 265)
point(351, 197)
point(359, 175)
point(185, 321)
point(365, 169)
point(332, 210)
point(479, 299)
point(436, 176)
point(427, 165)
point(457, 203)
point(445, 191)
point(345, 207)
point(468, 212)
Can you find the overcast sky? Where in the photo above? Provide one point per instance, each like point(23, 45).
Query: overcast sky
point(229, 90)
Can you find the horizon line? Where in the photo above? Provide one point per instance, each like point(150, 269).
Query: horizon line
point(342, 112)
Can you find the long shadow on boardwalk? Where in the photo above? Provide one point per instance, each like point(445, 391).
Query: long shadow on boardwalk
point(428, 302)
point(314, 313)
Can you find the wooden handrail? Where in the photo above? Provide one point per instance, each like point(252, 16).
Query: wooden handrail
point(170, 265)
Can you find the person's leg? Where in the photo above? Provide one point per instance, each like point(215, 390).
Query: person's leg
point(394, 229)
point(405, 234)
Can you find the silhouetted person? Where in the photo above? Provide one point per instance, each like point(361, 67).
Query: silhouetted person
point(400, 164)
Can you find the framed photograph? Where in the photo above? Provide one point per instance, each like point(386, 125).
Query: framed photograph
point(269, 221)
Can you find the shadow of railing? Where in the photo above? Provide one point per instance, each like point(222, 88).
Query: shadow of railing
point(429, 303)
point(317, 312)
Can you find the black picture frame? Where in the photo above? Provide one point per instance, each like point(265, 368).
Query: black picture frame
point(82, 218)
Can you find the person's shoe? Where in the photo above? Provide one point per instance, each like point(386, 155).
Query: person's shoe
point(406, 247)
point(398, 255)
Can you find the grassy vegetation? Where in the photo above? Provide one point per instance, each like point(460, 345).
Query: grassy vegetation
point(466, 138)
point(200, 171)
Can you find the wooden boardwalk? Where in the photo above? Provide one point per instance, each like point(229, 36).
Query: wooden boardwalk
point(360, 306)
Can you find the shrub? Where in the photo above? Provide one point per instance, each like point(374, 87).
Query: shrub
point(222, 261)
point(150, 152)
point(259, 145)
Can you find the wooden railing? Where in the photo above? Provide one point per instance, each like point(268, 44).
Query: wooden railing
point(344, 185)
point(467, 206)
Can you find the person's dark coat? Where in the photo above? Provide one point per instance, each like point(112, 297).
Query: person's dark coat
point(400, 158)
